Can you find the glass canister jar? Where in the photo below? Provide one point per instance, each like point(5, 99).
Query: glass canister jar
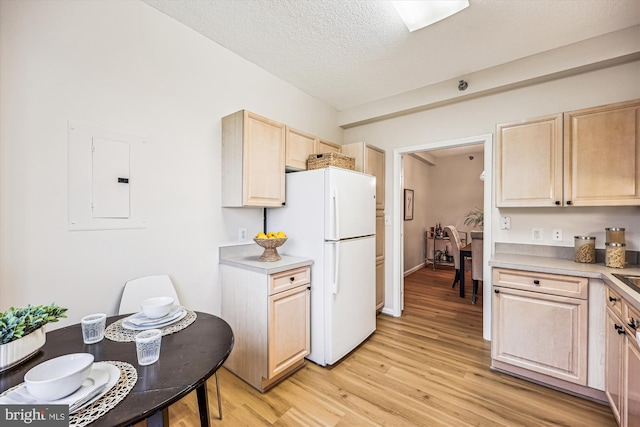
point(585, 249)
point(614, 254)
point(614, 235)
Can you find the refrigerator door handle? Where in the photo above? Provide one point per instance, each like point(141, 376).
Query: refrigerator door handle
point(336, 267)
point(336, 213)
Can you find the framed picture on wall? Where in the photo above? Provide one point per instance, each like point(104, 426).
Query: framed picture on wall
point(408, 204)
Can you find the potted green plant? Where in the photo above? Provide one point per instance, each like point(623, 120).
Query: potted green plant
point(474, 218)
point(22, 332)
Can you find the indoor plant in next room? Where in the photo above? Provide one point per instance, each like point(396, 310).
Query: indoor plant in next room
point(22, 332)
point(474, 218)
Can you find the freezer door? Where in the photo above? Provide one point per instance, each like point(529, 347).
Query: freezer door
point(350, 210)
point(350, 295)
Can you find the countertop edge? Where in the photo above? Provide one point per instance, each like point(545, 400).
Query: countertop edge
point(570, 268)
point(267, 267)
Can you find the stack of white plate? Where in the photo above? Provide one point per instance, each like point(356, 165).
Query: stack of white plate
point(140, 322)
point(101, 379)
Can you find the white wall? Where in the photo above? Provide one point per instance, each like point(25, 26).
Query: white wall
point(126, 66)
point(479, 116)
point(417, 176)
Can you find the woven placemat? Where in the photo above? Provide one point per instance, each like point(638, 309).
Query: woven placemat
point(126, 382)
point(115, 331)
point(128, 379)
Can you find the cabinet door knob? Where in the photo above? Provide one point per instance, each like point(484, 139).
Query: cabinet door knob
point(568, 202)
point(292, 278)
point(633, 323)
point(557, 202)
point(621, 332)
point(613, 299)
point(497, 291)
point(536, 282)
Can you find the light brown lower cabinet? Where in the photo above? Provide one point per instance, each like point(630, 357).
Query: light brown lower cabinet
point(540, 324)
point(270, 318)
point(622, 360)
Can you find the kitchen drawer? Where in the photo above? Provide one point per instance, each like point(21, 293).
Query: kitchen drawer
point(614, 302)
point(632, 318)
point(289, 279)
point(553, 284)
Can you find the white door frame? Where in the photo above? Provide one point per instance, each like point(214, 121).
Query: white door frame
point(396, 307)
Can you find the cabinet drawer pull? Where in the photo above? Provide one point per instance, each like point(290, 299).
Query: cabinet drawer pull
point(568, 202)
point(633, 323)
point(621, 332)
point(618, 327)
point(292, 278)
point(557, 202)
point(613, 299)
point(536, 282)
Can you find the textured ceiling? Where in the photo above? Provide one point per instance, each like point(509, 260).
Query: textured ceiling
point(350, 52)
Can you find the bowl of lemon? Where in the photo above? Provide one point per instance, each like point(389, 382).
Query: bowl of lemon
point(270, 241)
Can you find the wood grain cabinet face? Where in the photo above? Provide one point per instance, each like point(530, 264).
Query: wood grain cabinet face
point(529, 162)
point(602, 155)
point(614, 353)
point(253, 161)
point(289, 337)
point(327, 147)
point(622, 361)
point(587, 157)
point(300, 145)
point(544, 332)
point(270, 318)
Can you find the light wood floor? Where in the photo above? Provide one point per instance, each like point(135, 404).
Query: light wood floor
point(429, 367)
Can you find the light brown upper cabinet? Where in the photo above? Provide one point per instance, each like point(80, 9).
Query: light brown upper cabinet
point(253, 161)
point(327, 147)
point(370, 160)
point(602, 155)
point(529, 162)
point(588, 157)
point(300, 145)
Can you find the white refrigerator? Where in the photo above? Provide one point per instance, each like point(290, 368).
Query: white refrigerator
point(329, 217)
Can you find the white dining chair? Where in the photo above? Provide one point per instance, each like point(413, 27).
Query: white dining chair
point(161, 285)
point(141, 288)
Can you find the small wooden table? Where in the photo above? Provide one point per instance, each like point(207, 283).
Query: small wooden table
point(464, 253)
point(187, 359)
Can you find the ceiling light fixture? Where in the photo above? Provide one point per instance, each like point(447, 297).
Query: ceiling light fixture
point(419, 14)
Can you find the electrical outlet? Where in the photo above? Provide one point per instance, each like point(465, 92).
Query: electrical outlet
point(557, 234)
point(242, 234)
point(536, 234)
point(505, 222)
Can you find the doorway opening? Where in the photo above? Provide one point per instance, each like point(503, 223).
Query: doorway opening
point(485, 141)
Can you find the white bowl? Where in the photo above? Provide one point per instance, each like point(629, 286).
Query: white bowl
point(58, 377)
point(156, 307)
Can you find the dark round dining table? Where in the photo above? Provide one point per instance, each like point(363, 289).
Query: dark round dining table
point(187, 359)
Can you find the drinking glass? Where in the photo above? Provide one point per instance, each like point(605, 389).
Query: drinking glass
point(148, 346)
point(93, 327)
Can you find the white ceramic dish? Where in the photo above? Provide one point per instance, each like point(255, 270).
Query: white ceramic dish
point(58, 377)
point(140, 319)
point(156, 307)
point(100, 368)
point(101, 373)
point(132, 327)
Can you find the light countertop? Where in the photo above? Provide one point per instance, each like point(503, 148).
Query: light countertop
point(251, 262)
